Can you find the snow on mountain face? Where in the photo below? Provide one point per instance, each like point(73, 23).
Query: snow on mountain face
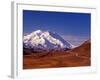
point(45, 40)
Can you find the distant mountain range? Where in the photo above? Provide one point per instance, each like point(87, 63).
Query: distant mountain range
point(45, 41)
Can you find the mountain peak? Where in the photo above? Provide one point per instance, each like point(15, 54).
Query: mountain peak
point(37, 31)
point(45, 40)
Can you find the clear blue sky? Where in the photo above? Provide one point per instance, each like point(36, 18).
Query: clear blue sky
point(63, 23)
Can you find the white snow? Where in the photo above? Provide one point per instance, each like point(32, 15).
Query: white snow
point(43, 39)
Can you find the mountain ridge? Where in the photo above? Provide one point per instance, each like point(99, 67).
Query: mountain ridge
point(45, 40)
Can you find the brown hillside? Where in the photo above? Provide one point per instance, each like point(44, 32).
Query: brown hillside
point(83, 50)
point(79, 56)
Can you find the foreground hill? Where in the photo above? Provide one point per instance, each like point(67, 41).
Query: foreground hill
point(84, 49)
point(76, 57)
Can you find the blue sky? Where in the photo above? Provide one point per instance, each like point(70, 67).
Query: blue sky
point(70, 26)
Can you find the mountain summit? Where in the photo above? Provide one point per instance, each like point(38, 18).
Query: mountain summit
point(45, 40)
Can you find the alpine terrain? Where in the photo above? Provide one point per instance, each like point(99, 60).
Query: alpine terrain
point(45, 41)
point(46, 49)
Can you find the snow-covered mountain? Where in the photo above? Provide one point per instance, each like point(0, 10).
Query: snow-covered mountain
point(45, 40)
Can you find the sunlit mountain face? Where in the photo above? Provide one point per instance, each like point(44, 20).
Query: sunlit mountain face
point(45, 40)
